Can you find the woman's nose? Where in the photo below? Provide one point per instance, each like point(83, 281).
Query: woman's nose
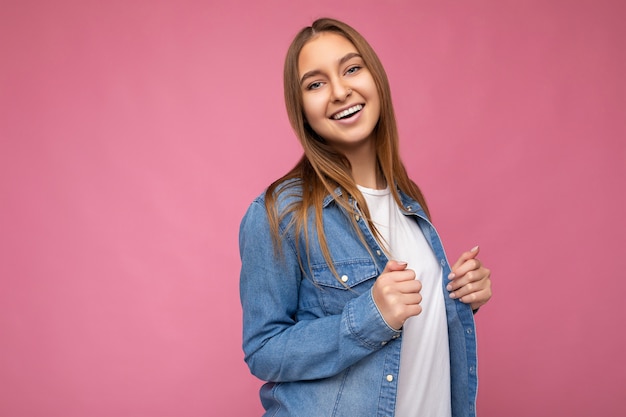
point(341, 92)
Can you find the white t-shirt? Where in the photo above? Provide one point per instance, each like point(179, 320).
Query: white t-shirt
point(424, 380)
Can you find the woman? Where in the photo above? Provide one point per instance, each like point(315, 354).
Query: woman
point(350, 307)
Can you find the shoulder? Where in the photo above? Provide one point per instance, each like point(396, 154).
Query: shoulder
point(279, 196)
point(271, 211)
point(281, 193)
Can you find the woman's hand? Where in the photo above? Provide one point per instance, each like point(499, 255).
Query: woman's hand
point(396, 293)
point(469, 280)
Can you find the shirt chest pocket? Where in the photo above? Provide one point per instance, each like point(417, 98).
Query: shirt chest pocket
point(355, 278)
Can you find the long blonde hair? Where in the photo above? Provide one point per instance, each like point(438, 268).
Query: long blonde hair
point(322, 170)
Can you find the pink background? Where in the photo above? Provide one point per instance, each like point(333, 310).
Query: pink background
point(135, 133)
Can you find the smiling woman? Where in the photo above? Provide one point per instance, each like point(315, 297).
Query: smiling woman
point(350, 307)
point(339, 96)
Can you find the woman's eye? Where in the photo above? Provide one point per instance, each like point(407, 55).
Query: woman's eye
point(353, 69)
point(314, 86)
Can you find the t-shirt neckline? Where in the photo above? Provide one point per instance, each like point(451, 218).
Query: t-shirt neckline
point(373, 191)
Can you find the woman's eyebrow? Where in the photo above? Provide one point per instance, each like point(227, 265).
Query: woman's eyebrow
point(342, 61)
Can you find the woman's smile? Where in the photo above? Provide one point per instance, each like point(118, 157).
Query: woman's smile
point(348, 113)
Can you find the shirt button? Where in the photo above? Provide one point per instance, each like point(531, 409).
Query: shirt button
point(344, 278)
point(442, 262)
point(472, 370)
point(469, 330)
point(357, 217)
point(389, 378)
point(383, 343)
point(378, 252)
point(409, 208)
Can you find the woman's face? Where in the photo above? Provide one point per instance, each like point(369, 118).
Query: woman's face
point(339, 95)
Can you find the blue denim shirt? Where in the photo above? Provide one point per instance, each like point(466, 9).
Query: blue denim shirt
point(324, 349)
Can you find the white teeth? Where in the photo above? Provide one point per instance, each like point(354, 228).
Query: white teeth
point(348, 112)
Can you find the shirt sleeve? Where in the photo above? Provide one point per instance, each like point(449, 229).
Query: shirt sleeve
point(276, 345)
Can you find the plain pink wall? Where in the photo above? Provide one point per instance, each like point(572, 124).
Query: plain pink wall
point(135, 133)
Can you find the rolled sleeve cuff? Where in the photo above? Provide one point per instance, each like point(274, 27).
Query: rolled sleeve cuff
point(365, 322)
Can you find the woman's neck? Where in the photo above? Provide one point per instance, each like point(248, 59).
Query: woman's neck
point(365, 170)
point(371, 179)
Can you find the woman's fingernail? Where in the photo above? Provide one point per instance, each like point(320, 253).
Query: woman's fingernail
point(451, 275)
point(474, 249)
point(452, 295)
point(449, 287)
